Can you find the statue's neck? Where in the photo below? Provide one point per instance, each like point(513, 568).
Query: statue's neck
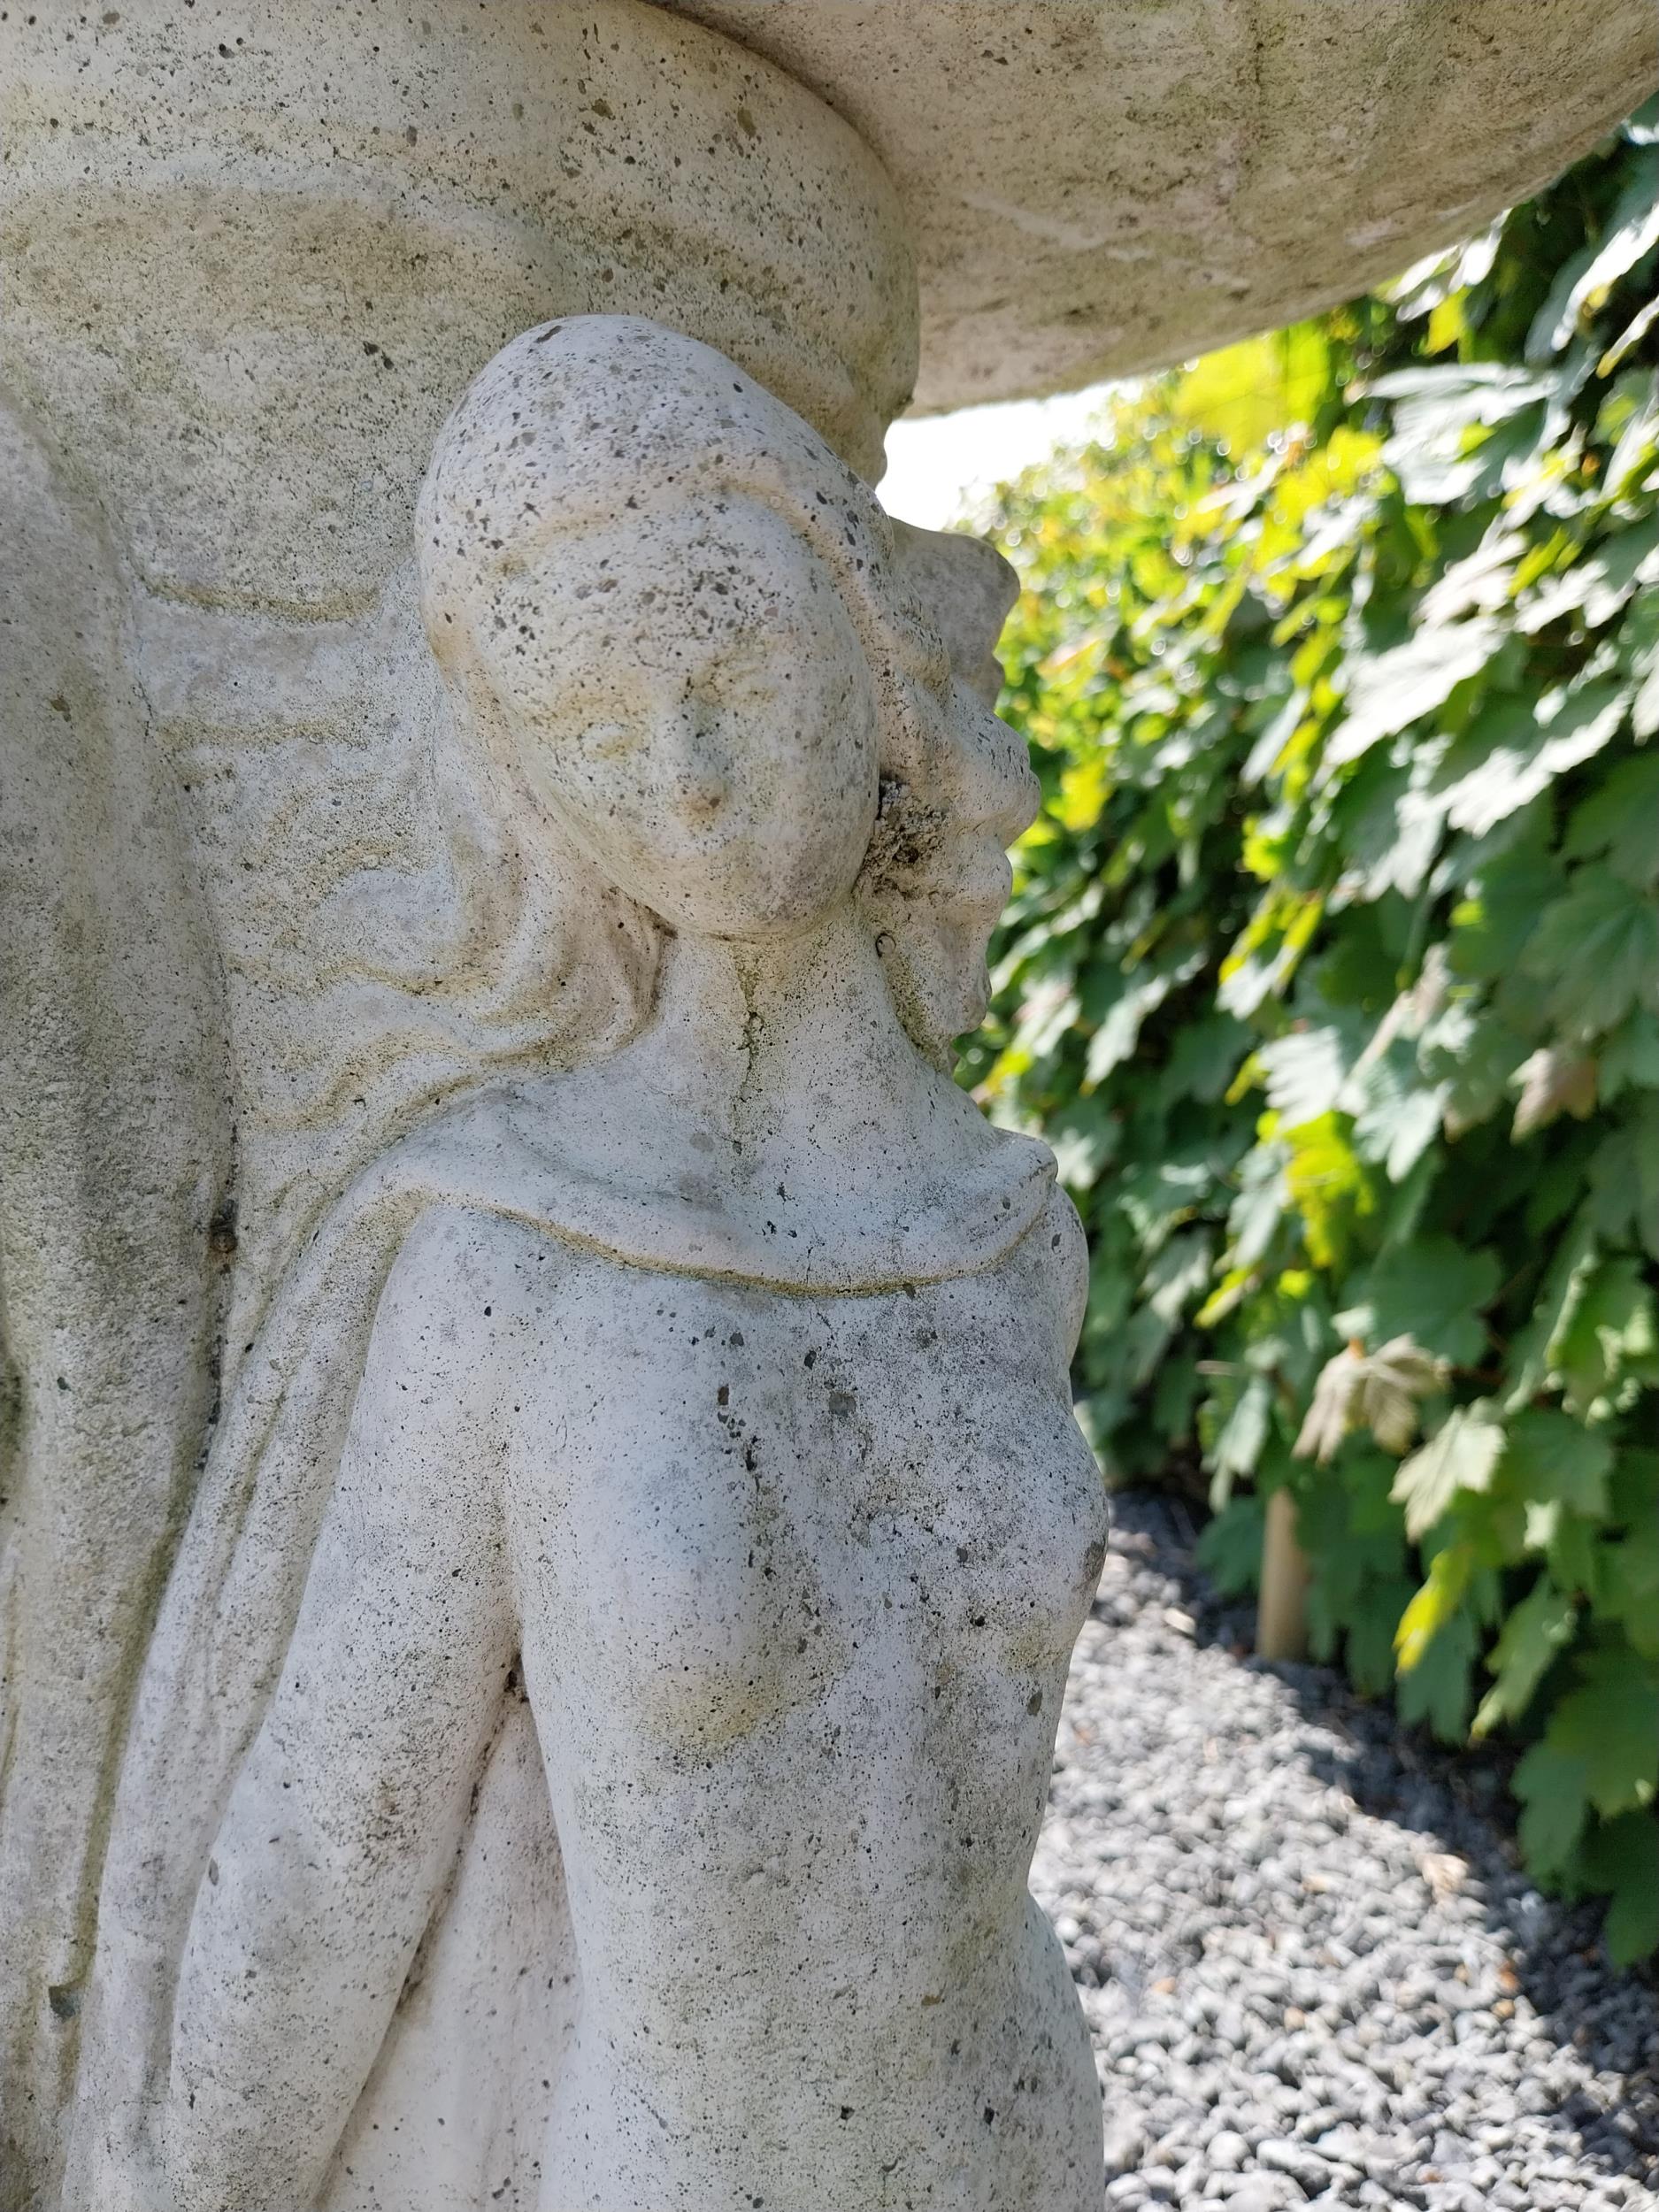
point(774, 1090)
point(771, 1122)
point(791, 1050)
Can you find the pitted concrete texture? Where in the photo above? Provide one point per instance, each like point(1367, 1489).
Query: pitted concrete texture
point(593, 1740)
point(1099, 187)
point(252, 254)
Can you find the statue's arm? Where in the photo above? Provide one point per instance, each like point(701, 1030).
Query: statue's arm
point(344, 1823)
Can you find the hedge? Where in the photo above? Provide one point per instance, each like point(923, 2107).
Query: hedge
point(1332, 974)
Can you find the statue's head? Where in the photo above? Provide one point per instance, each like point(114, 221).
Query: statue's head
point(687, 640)
point(937, 875)
point(649, 576)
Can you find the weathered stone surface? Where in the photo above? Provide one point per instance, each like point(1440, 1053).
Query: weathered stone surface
point(698, 1415)
point(1099, 187)
point(486, 1222)
point(251, 255)
point(114, 1167)
point(249, 261)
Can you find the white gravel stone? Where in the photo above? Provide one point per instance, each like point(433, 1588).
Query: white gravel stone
point(1238, 1845)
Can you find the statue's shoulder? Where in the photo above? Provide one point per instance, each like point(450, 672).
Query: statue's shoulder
point(467, 1273)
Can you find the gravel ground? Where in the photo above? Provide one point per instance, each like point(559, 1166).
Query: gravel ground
point(1310, 1968)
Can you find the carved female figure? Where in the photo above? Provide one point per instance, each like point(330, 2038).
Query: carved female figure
point(610, 1693)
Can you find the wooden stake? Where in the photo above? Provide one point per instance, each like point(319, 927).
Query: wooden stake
point(1281, 1619)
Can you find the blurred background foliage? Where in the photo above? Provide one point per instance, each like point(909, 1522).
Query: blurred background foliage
point(1332, 973)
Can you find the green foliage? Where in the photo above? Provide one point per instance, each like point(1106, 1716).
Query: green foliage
point(1332, 973)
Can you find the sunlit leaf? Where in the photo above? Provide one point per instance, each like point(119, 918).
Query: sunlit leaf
point(1398, 688)
point(1553, 1082)
point(1600, 585)
point(1246, 391)
point(1305, 1072)
point(1514, 751)
point(1329, 1187)
point(1459, 1458)
point(1435, 1605)
point(1633, 232)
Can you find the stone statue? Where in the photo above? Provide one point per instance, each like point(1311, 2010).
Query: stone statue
point(598, 1723)
point(540, 1521)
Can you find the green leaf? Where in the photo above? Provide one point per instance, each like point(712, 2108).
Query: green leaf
point(1442, 446)
point(1633, 1491)
point(1599, 583)
point(1557, 320)
point(1624, 1180)
point(1470, 1054)
point(1229, 1548)
point(1254, 1218)
point(1570, 1268)
point(1621, 819)
point(1046, 1015)
point(1114, 1041)
point(1494, 923)
point(1396, 1117)
point(1610, 1725)
point(1536, 1632)
point(1551, 1786)
point(1630, 337)
point(1329, 1187)
point(1638, 445)
point(1512, 751)
point(1431, 1291)
point(1085, 1135)
point(1609, 1331)
point(1391, 690)
point(1243, 1430)
point(1629, 1058)
point(1633, 232)
point(1390, 825)
point(1457, 1460)
point(1627, 1584)
point(1547, 1455)
point(1205, 1058)
point(1371, 1622)
point(1435, 1606)
point(1179, 1274)
point(1304, 1071)
point(1437, 1690)
point(1568, 1543)
point(1622, 1856)
point(1158, 1197)
point(1597, 949)
point(1241, 394)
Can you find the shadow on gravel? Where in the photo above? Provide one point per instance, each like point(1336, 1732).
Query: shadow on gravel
point(1459, 1802)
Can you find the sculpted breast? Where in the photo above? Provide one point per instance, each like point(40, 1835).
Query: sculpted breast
point(693, 1466)
point(770, 1495)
